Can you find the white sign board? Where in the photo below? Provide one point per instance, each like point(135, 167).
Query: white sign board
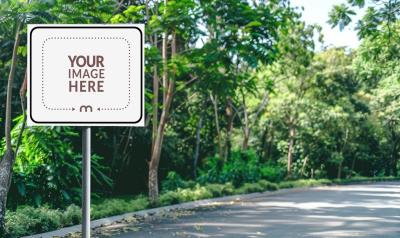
point(86, 75)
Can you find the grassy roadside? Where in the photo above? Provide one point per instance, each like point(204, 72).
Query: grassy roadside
point(29, 220)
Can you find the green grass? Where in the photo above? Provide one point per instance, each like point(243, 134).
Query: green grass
point(28, 220)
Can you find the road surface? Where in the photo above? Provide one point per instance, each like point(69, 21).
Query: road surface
point(370, 210)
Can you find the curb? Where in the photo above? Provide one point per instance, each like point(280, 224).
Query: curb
point(154, 211)
point(191, 205)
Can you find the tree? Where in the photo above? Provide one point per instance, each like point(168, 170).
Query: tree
point(17, 14)
point(292, 74)
point(386, 108)
point(380, 14)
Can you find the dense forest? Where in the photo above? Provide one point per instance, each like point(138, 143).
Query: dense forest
point(237, 91)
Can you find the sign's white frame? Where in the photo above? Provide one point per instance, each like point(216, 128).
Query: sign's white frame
point(32, 121)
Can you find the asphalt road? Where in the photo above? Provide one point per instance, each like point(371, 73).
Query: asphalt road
point(371, 210)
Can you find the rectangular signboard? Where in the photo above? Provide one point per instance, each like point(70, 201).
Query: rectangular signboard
point(86, 75)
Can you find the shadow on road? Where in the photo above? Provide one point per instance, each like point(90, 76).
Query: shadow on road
point(371, 210)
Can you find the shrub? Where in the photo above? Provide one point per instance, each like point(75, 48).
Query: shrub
point(250, 188)
point(174, 181)
point(215, 189)
point(266, 185)
point(47, 169)
point(29, 220)
point(304, 183)
point(219, 190)
point(241, 167)
point(229, 189)
point(115, 206)
point(185, 195)
point(72, 216)
point(273, 173)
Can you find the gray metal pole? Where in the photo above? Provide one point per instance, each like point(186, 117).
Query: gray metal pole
point(86, 182)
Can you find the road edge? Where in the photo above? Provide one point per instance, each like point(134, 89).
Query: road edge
point(185, 206)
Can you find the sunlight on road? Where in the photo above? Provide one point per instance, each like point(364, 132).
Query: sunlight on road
point(370, 210)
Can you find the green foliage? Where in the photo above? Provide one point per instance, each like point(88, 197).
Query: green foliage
point(241, 167)
point(29, 220)
point(268, 186)
point(174, 181)
point(219, 190)
point(114, 206)
point(273, 173)
point(250, 188)
point(340, 16)
point(184, 195)
point(339, 108)
point(304, 183)
point(47, 169)
point(378, 16)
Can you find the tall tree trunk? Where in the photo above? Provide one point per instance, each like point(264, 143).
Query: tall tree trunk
point(197, 148)
point(8, 158)
point(155, 104)
point(214, 101)
point(229, 127)
point(156, 86)
point(340, 168)
point(156, 152)
point(395, 158)
point(268, 141)
point(292, 134)
point(246, 128)
point(353, 164)
point(303, 168)
point(164, 58)
point(246, 120)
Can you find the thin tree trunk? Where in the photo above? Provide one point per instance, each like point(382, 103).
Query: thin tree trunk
point(339, 175)
point(340, 169)
point(155, 105)
point(394, 159)
point(303, 168)
point(271, 139)
point(292, 134)
point(22, 96)
point(246, 124)
point(214, 101)
point(353, 164)
point(164, 58)
point(246, 127)
point(8, 159)
point(155, 91)
point(156, 153)
point(197, 149)
point(229, 127)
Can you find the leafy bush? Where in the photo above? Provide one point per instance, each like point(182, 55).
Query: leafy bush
point(185, 195)
point(304, 183)
point(219, 190)
point(273, 173)
point(29, 220)
point(268, 185)
point(48, 170)
point(71, 216)
point(241, 167)
point(115, 206)
point(168, 198)
point(250, 188)
point(174, 181)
